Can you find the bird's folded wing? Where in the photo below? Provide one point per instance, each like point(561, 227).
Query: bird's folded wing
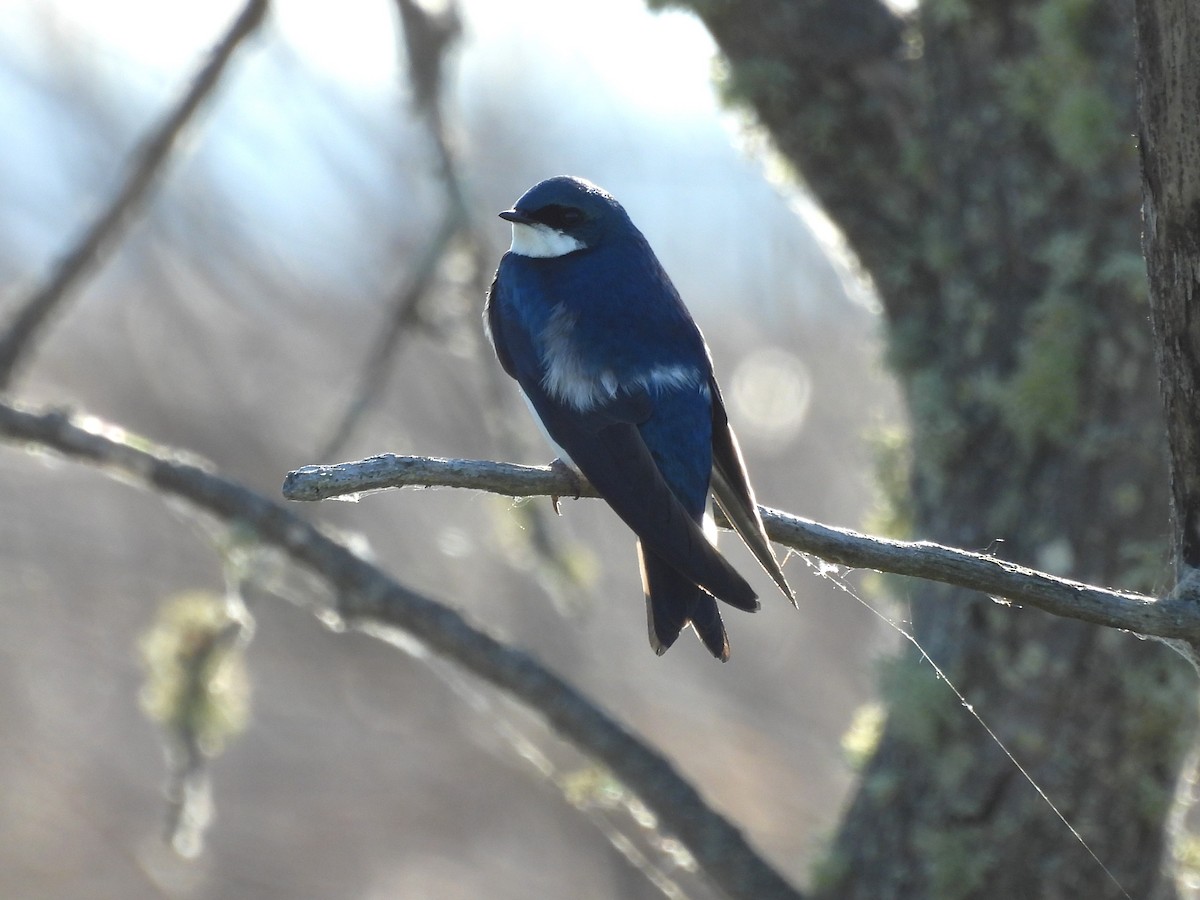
point(493, 327)
point(731, 488)
point(606, 446)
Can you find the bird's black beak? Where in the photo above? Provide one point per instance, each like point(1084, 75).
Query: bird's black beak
point(511, 215)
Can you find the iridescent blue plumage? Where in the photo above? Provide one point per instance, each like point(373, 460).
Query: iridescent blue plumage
point(583, 316)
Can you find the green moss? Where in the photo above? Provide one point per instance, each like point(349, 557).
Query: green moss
point(1145, 565)
point(195, 677)
point(862, 737)
point(1128, 498)
point(1186, 852)
point(892, 513)
point(762, 81)
point(959, 860)
point(919, 705)
point(882, 785)
point(1080, 127)
point(946, 12)
point(592, 787)
point(1126, 273)
point(1030, 663)
point(829, 872)
point(1040, 401)
point(915, 160)
point(956, 762)
point(931, 403)
point(1157, 717)
point(907, 346)
point(1058, 88)
point(1161, 701)
point(1029, 743)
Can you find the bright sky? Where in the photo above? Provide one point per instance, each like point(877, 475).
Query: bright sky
point(607, 90)
point(589, 74)
point(661, 62)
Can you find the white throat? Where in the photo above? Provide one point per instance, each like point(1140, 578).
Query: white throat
point(542, 241)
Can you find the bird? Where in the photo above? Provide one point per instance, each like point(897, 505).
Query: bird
point(583, 316)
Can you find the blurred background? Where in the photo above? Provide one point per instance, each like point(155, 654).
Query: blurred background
point(315, 202)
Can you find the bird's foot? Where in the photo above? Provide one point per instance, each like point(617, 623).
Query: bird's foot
point(558, 467)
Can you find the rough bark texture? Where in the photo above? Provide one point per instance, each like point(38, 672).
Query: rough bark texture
point(1169, 53)
point(979, 160)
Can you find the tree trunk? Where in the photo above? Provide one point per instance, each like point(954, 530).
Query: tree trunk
point(979, 160)
point(1169, 139)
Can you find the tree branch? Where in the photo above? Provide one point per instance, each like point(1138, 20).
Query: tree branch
point(1167, 617)
point(368, 597)
point(145, 164)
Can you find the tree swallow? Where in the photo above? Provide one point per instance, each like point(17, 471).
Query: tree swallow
point(583, 316)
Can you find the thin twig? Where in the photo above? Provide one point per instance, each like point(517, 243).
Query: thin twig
point(1168, 617)
point(96, 243)
point(368, 598)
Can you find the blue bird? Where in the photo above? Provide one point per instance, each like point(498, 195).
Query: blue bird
point(583, 316)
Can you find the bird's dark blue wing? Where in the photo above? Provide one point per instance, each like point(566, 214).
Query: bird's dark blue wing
point(605, 445)
point(493, 326)
point(731, 488)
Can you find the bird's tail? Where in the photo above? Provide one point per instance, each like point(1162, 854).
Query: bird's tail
point(672, 601)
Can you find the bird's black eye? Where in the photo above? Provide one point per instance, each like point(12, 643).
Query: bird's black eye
point(562, 218)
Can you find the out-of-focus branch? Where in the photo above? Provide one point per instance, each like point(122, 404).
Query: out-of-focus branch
point(367, 598)
point(1168, 617)
point(428, 35)
point(146, 163)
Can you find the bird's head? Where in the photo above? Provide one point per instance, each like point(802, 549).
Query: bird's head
point(562, 215)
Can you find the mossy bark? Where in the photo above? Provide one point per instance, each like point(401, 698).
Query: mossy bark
point(979, 158)
point(1169, 139)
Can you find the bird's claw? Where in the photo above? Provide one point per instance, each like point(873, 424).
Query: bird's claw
point(558, 467)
